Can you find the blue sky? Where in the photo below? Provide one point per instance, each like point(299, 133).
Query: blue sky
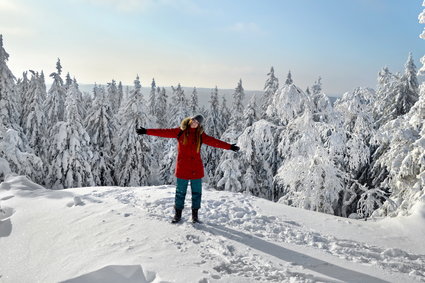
point(213, 43)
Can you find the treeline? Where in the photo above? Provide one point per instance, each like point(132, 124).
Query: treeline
point(362, 155)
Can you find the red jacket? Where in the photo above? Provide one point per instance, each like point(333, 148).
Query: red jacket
point(189, 163)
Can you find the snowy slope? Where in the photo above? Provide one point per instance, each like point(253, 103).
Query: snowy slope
point(114, 234)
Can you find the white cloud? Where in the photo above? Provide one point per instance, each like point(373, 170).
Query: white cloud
point(421, 17)
point(245, 28)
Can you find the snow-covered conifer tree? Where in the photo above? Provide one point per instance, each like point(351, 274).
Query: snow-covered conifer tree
point(215, 127)
point(356, 115)
point(258, 158)
point(101, 130)
point(317, 87)
point(194, 104)
point(152, 99)
point(270, 88)
point(309, 176)
point(179, 108)
point(113, 96)
point(236, 123)
point(68, 81)
point(250, 115)
point(225, 112)
point(70, 154)
point(15, 154)
point(9, 110)
point(289, 79)
point(133, 160)
point(33, 118)
point(287, 104)
point(55, 102)
point(161, 108)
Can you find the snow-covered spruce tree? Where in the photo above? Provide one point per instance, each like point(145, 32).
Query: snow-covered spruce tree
point(55, 102)
point(100, 127)
point(69, 154)
point(225, 112)
point(401, 144)
point(133, 160)
point(355, 110)
point(289, 80)
point(224, 179)
point(270, 88)
point(22, 86)
point(214, 127)
point(396, 93)
point(152, 99)
point(194, 104)
point(236, 122)
point(33, 118)
point(321, 105)
point(404, 159)
point(250, 114)
point(113, 96)
point(179, 107)
point(259, 159)
point(15, 154)
point(161, 108)
point(309, 176)
point(178, 110)
point(287, 103)
point(9, 110)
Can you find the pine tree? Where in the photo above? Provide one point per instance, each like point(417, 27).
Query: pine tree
point(289, 80)
point(309, 176)
point(133, 162)
point(215, 127)
point(113, 96)
point(161, 108)
point(408, 92)
point(68, 81)
point(179, 107)
point(152, 99)
point(15, 154)
point(225, 112)
point(70, 155)
point(238, 108)
point(270, 88)
point(101, 130)
point(250, 113)
point(194, 104)
point(9, 110)
point(55, 102)
point(317, 87)
point(34, 119)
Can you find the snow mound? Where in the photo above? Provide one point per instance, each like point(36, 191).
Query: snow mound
point(117, 273)
point(19, 183)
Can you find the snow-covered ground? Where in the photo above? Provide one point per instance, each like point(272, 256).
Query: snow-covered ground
point(115, 234)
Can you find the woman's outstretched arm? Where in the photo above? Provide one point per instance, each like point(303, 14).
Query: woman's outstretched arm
point(165, 133)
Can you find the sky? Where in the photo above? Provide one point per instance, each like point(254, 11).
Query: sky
point(208, 43)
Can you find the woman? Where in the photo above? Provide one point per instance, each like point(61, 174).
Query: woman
point(189, 165)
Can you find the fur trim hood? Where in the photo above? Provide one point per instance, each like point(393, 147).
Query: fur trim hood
point(185, 124)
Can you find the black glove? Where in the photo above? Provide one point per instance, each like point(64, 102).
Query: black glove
point(234, 147)
point(141, 131)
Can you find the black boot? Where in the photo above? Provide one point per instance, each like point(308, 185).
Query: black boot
point(195, 218)
point(177, 216)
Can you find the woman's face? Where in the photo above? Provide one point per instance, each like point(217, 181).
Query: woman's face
point(194, 124)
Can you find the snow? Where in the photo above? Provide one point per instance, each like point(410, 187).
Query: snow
point(123, 234)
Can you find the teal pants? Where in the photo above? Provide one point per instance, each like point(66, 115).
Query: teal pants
point(196, 187)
